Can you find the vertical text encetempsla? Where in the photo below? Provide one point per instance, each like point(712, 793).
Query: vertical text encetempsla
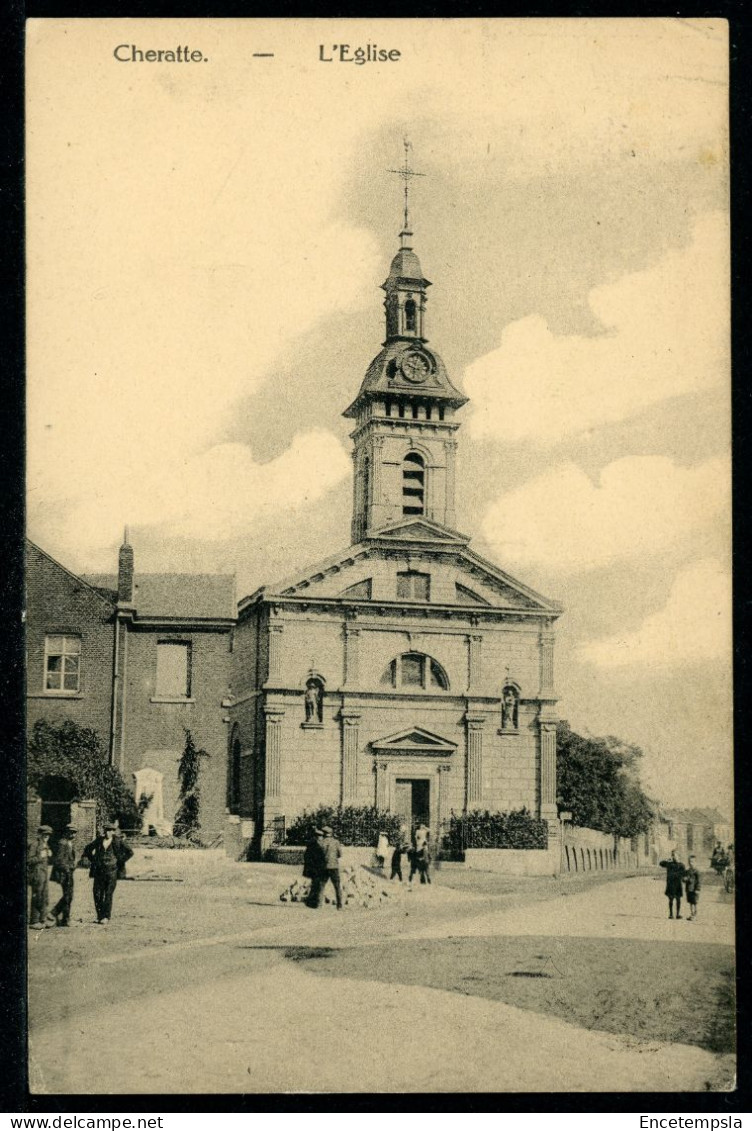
point(334, 53)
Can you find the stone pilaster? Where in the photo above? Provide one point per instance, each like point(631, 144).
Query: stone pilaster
point(546, 646)
point(352, 655)
point(474, 660)
point(442, 805)
point(382, 785)
point(273, 775)
point(377, 474)
point(548, 770)
point(450, 447)
point(474, 787)
point(276, 631)
point(350, 722)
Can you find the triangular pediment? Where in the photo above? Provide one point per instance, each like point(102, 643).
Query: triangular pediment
point(458, 576)
point(419, 530)
point(414, 740)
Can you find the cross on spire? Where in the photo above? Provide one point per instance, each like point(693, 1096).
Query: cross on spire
point(406, 173)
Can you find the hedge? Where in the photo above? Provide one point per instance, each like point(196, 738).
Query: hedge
point(478, 829)
point(355, 826)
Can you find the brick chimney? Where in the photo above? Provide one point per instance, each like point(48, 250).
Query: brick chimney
point(125, 572)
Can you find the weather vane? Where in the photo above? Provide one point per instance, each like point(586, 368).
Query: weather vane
point(406, 173)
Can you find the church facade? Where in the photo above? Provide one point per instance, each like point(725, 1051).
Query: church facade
point(405, 672)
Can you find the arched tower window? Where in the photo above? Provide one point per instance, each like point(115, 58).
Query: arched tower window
point(413, 484)
point(410, 315)
point(414, 670)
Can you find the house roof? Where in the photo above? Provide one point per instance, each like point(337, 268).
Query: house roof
point(694, 816)
point(186, 596)
point(103, 594)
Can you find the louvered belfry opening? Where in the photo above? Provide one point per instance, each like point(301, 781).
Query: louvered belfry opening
point(413, 484)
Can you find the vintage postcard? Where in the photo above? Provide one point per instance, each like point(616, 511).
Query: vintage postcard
point(378, 560)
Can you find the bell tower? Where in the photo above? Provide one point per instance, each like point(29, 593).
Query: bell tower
point(404, 446)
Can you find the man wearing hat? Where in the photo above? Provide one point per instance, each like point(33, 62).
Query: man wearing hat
point(314, 867)
point(63, 867)
point(107, 856)
point(37, 865)
point(331, 850)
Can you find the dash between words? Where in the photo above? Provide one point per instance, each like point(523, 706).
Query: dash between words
point(336, 53)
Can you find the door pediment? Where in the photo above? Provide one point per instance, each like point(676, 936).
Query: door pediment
point(414, 741)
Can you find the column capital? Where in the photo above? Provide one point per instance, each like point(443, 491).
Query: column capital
point(273, 713)
point(444, 768)
point(350, 717)
point(475, 721)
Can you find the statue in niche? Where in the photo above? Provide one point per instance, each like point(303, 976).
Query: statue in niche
point(509, 709)
point(314, 702)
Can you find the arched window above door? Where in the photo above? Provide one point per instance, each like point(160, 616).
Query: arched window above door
point(415, 671)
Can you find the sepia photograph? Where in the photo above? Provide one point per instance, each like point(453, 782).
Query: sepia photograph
point(378, 559)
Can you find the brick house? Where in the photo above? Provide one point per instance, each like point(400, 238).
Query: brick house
point(140, 658)
point(70, 637)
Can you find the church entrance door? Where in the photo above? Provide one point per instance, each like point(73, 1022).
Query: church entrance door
point(412, 801)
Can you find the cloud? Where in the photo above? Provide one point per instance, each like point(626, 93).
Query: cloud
point(221, 493)
point(665, 334)
point(694, 626)
point(640, 506)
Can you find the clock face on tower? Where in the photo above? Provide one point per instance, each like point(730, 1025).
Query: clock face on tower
point(415, 367)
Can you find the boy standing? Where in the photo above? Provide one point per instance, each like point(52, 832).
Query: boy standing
point(692, 885)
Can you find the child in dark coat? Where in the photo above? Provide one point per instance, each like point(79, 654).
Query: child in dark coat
point(692, 885)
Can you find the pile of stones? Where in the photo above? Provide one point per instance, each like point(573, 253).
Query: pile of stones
point(359, 889)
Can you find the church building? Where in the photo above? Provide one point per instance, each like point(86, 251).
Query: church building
point(405, 672)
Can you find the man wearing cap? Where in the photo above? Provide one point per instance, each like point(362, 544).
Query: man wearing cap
point(331, 850)
point(314, 868)
point(63, 867)
point(106, 855)
point(37, 865)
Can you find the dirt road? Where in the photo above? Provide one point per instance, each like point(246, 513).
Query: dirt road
point(301, 1001)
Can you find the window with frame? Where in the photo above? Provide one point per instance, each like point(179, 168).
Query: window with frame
point(173, 670)
point(62, 664)
point(413, 586)
point(413, 483)
point(415, 670)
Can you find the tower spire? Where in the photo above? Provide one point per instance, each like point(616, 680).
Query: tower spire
point(406, 173)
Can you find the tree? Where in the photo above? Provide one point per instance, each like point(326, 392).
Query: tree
point(76, 753)
point(187, 819)
point(598, 782)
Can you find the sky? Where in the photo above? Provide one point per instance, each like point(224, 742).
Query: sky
point(205, 248)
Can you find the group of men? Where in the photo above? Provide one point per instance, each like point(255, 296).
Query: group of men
point(106, 856)
point(680, 878)
point(321, 864)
